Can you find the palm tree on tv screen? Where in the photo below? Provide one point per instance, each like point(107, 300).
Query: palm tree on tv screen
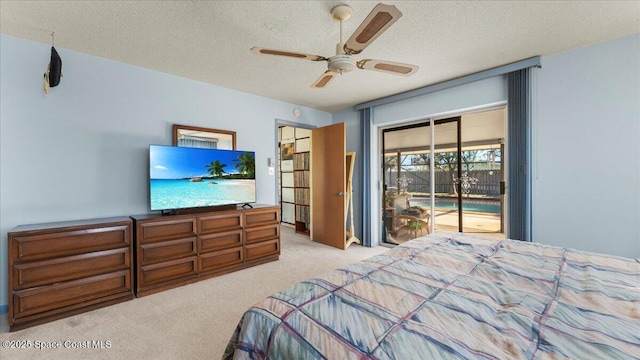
point(215, 168)
point(246, 164)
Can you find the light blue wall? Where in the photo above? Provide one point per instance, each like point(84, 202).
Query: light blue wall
point(586, 186)
point(442, 103)
point(81, 151)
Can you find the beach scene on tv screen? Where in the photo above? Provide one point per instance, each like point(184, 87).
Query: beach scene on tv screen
point(183, 177)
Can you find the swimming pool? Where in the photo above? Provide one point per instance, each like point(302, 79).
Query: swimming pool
point(467, 205)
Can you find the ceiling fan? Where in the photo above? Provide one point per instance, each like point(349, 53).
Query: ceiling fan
point(378, 21)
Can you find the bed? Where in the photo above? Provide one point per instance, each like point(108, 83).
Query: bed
point(454, 296)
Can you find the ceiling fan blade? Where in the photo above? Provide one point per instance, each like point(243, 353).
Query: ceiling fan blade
point(380, 19)
point(291, 54)
point(387, 66)
point(324, 79)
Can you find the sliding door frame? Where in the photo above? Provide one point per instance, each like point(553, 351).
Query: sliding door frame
point(377, 148)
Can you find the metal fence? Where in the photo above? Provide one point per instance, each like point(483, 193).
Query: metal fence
point(488, 181)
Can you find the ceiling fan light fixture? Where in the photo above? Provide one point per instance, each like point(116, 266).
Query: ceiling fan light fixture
point(341, 63)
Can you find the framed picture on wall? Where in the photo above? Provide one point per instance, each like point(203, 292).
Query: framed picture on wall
point(192, 136)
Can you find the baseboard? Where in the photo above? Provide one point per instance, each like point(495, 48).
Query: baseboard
point(4, 309)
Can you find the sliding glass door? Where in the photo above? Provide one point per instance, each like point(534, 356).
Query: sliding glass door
point(447, 164)
point(452, 183)
point(406, 182)
point(481, 181)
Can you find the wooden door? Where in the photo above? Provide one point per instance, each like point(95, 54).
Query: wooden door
point(328, 179)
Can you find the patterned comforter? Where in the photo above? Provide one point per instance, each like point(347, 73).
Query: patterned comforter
point(454, 296)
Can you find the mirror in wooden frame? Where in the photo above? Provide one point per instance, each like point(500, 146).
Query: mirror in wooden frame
point(193, 136)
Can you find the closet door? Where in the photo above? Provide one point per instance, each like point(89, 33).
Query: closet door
point(328, 179)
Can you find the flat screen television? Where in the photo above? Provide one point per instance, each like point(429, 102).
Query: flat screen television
point(184, 177)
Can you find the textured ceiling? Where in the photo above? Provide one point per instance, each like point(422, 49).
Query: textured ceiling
point(209, 41)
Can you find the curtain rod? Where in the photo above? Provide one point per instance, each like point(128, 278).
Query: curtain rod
point(485, 74)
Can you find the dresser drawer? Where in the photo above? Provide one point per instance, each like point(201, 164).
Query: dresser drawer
point(219, 241)
point(43, 245)
point(261, 233)
point(37, 273)
point(262, 249)
point(167, 250)
point(57, 296)
point(224, 221)
point(261, 217)
point(170, 270)
point(220, 259)
point(166, 230)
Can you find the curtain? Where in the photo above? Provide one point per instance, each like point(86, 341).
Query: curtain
point(518, 158)
point(365, 179)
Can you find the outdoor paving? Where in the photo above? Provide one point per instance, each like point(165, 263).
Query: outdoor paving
point(484, 224)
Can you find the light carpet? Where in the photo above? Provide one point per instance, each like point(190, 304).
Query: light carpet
point(190, 322)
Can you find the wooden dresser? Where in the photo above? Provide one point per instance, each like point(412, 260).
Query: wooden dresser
point(65, 268)
point(176, 250)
